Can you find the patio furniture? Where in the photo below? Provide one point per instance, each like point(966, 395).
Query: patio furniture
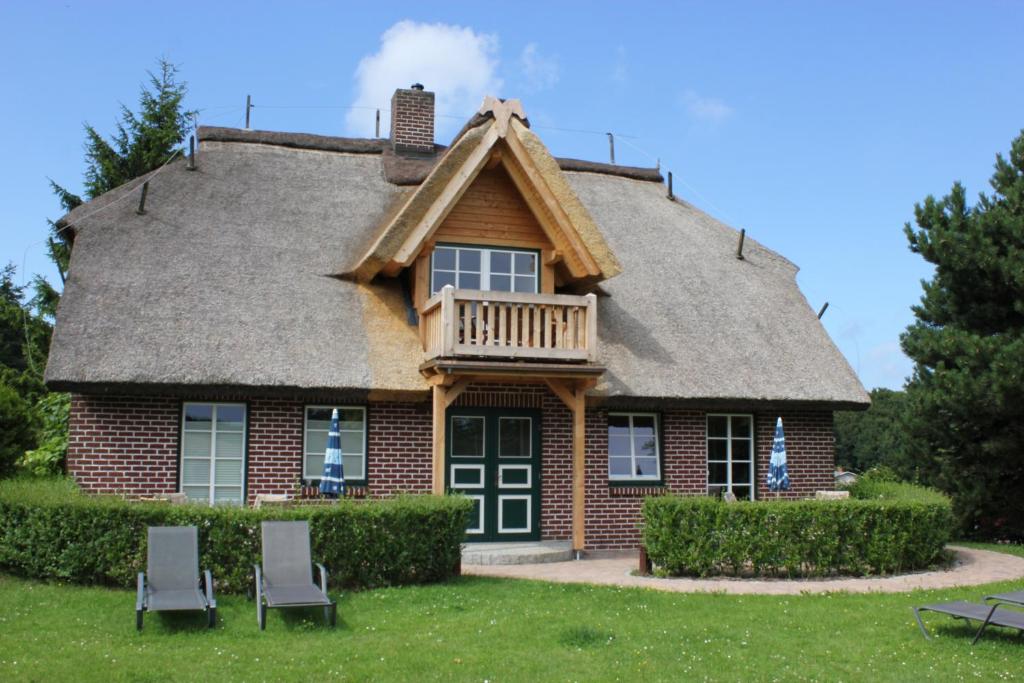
point(171, 580)
point(988, 615)
point(1013, 597)
point(286, 577)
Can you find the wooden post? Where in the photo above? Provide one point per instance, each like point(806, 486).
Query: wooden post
point(578, 471)
point(440, 406)
point(377, 126)
point(248, 108)
point(591, 333)
point(448, 320)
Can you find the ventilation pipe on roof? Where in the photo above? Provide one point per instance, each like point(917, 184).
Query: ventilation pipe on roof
point(739, 249)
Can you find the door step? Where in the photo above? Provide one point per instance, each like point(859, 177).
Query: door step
point(516, 553)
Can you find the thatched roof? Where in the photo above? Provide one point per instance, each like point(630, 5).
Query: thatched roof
point(229, 282)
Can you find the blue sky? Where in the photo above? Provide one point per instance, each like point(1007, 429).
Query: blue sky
point(813, 125)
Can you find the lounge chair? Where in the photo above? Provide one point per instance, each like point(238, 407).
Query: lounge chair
point(286, 577)
point(988, 615)
point(1013, 597)
point(171, 580)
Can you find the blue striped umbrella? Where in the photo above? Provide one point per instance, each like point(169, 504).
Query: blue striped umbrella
point(778, 477)
point(332, 484)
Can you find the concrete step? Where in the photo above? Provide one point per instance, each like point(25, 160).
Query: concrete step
point(516, 553)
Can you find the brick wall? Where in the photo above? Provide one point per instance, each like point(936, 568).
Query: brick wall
point(412, 120)
point(130, 445)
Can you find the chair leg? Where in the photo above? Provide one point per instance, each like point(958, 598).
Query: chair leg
point(917, 615)
point(212, 614)
point(138, 619)
point(261, 616)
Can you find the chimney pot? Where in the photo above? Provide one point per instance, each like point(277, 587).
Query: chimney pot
point(416, 86)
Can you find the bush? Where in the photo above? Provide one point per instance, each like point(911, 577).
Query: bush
point(17, 428)
point(50, 530)
point(48, 458)
point(705, 536)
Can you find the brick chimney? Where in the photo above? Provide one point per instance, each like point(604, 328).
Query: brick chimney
point(412, 119)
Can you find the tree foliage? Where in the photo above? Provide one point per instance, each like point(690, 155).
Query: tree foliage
point(965, 399)
point(873, 437)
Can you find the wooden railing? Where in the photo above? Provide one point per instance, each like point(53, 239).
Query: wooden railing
point(469, 322)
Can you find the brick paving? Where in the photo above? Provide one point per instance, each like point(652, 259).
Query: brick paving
point(972, 567)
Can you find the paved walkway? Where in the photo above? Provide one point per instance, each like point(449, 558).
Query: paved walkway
point(972, 567)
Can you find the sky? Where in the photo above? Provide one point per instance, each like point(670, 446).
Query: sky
point(816, 126)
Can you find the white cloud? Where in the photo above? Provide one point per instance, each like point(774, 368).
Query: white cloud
point(709, 109)
point(887, 366)
point(540, 72)
point(455, 62)
point(620, 72)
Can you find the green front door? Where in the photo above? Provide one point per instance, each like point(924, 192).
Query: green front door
point(494, 458)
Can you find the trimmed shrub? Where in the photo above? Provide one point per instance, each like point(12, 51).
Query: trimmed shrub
point(50, 530)
point(706, 536)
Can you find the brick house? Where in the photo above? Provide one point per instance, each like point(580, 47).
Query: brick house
point(555, 338)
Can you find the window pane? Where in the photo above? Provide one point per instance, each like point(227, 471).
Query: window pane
point(717, 472)
point(718, 449)
point(469, 259)
point(618, 425)
point(227, 472)
point(618, 467)
point(501, 262)
point(526, 264)
point(740, 425)
point(526, 284)
point(717, 425)
point(646, 467)
point(314, 466)
point(195, 472)
point(645, 446)
point(316, 442)
point(741, 473)
point(514, 437)
point(618, 445)
point(229, 445)
point(741, 492)
point(469, 281)
point(230, 418)
point(352, 442)
point(467, 436)
point(197, 444)
point(351, 419)
point(318, 418)
point(501, 283)
point(353, 466)
point(444, 259)
point(227, 495)
point(740, 449)
point(198, 416)
point(201, 493)
point(442, 279)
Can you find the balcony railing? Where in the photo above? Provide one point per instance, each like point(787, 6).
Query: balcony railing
point(468, 322)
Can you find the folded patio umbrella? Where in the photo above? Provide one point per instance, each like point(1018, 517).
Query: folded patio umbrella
point(332, 484)
point(778, 477)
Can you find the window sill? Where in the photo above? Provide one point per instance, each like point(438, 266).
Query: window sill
point(636, 488)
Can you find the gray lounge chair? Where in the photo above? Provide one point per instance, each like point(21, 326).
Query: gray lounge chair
point(286, 577)
point(988, 615)
point(1013, 597)
point(171, 580)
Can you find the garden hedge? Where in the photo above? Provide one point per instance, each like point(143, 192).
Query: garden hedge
point(687, 536)
point(50, 530)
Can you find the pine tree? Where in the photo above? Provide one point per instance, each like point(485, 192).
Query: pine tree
point(965, 399)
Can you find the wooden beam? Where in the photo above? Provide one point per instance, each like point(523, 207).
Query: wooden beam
point(565, 393)
point(455, 390)
point(579, 475)
point(439, 406)
point(552, 257)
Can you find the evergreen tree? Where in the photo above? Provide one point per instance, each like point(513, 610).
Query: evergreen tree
point(867, 438)
point(966, 397)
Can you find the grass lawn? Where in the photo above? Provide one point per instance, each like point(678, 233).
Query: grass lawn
point(479, 629)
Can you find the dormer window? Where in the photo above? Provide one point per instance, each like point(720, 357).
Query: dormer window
point(484, 268)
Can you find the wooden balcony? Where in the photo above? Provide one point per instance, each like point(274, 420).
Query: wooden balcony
point(468, 323)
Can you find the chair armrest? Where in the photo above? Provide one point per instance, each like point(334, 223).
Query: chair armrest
point(140, 594)
point(323, 577)
point(259, 583)
point(208, 584)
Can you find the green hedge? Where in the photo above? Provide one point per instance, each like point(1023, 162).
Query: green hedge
point(50, 530)
point(706, 536)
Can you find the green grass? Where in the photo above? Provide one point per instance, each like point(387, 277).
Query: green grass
point(479, 629)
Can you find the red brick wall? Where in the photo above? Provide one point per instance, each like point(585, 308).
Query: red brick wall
point(130, 445)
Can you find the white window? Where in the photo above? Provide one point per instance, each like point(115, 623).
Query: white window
point(731, 455)
point(495, 270)
point(213, 452)
point(633, 450)
point(352, 424)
